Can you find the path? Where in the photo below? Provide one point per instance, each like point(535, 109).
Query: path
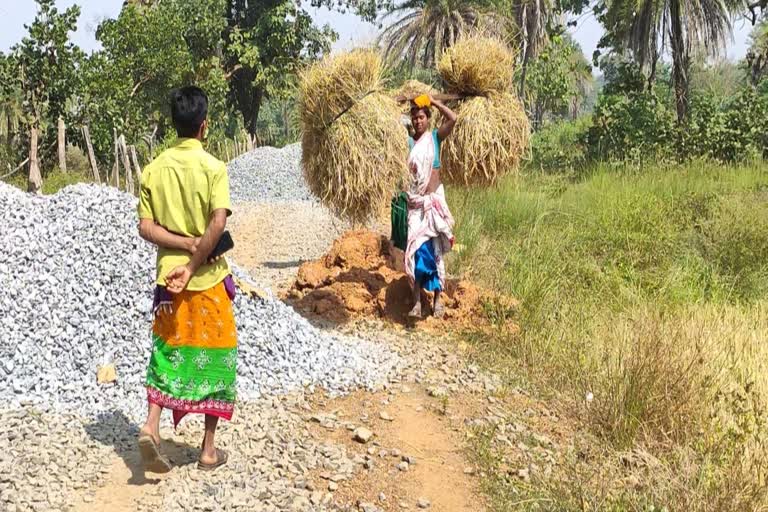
point(271, 241)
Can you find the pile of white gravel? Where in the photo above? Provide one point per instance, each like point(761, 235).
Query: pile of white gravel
point(76, 286)
point(268, 174)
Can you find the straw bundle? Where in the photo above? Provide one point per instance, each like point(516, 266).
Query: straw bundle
point(489, 140)
point(412, 88)
point(492, 131)
point(477, 66)
point(333, 85)
point(353, 145)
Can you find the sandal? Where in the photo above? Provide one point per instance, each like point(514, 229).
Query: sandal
point(416, 311)
point(221, 459)
point(154, 461)
point(439, 310)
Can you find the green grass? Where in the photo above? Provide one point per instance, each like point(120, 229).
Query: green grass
point(648, 290)
point(52, 181)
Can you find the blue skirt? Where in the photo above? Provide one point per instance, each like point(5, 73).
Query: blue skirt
point(426, 267)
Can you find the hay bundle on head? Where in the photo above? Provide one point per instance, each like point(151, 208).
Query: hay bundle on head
point(409, 90)
point(477, 66)
point(412, 88)
point(353, 145)
point(492, 130)
point(489, 140)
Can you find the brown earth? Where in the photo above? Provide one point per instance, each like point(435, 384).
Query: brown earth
point(362, 275)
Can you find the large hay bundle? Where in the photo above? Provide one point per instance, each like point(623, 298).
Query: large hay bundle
point(353, 145)
point(489, 140)
point(477, 66)
point(333, 85)
point(492, 132)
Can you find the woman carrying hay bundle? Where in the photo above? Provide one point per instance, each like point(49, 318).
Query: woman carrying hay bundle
point(430, 222)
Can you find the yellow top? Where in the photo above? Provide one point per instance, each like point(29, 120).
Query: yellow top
point(180, 189)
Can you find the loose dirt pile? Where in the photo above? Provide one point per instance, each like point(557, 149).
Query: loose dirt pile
point(362, 275)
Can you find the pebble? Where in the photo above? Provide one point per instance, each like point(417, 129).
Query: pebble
point(268, 174)
point(423, 503)
point(384, 415)
point(363, 435)
point(67, 297)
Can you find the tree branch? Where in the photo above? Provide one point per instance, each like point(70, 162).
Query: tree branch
point(232, 71)
point(138, 85)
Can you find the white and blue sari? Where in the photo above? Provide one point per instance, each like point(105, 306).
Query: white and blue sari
point(430, 222)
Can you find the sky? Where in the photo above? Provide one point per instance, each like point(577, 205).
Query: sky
point(352, 32)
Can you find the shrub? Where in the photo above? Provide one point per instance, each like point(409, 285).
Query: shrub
point(560, 146)
point(730, 133)
point(634, 127)
point(77, 161)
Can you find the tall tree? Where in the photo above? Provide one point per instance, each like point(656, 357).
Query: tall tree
point(423, 29)
point(757, 54)
point(11, 97)
point(265, 43)
point(48, 63)
point(647, 28)
point(560, 79)
point(147, 51)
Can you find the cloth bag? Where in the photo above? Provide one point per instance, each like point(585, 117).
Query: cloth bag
point(400, 221)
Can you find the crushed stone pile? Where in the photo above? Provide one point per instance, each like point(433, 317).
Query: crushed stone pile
point(76, 287)
point(363, 275)
point(268, 174)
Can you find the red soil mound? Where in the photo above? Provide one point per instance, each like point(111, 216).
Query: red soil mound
point(362, 276)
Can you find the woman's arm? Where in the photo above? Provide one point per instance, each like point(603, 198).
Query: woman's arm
point(449, 119)
point(156, 234)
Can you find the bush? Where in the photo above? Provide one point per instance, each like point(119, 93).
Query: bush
point(730, 133)
point(560, 146)
point(635, 128)
point(77, 161)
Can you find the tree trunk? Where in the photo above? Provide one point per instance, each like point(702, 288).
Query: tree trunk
point(654, 67)
point(252, 117)
point(91, 156)
point(35, 181)
point(62, 145)
point(127, 164)
point(680, 60)
point(523, 72)
point(136, 166)
point(116, 165)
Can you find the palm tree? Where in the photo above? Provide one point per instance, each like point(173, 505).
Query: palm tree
point(532, 17)
point(648, 27)
point(757, 55)
point(424, 28)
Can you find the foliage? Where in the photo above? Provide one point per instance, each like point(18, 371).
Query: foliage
point(147, 51)
point(48, 62)
point(265, 44)
point(559, 80)
point(629, 122)
point(757, 55)
point(686, 27)
point(560, 146)
point(728, 133)
point(424, 29)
